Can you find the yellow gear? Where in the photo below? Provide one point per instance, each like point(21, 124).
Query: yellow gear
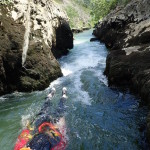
point(25, 148)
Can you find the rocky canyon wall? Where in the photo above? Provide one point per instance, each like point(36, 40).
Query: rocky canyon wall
point(33, 33)
point(126, 33)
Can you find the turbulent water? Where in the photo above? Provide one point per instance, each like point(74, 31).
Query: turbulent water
point(97, 117)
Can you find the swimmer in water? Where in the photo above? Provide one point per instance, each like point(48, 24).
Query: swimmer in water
point(47, 132)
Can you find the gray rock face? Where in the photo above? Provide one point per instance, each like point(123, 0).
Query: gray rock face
point(31, 34)
point(126, 32)
point(60, 45)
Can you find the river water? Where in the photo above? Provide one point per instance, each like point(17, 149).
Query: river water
point(97, 117)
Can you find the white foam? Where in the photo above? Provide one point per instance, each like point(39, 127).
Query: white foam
point(2, 99)
point(85, 55)
point(29, 114)
point(102, 78)
point(80, 61)
point(82, 96)
point(77, 42)
point(66, 72)
point(24, 120)
point(55, 82)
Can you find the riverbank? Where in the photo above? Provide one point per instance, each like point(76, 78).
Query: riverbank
point(126, 33)
point(79, 30)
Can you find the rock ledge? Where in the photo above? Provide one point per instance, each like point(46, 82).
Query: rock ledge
point(126, 32)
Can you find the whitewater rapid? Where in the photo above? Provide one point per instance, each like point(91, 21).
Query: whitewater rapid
point(97, 117)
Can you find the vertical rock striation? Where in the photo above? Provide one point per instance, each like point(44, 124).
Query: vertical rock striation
point(126, 32)
point(32, 32)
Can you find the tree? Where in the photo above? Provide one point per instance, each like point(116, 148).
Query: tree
point(100, 8)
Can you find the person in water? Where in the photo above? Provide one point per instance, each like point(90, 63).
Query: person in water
point(48, 131)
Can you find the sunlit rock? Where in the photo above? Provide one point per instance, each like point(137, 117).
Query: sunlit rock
point(29, 33)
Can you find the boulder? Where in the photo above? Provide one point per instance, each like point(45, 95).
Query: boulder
point(77, 30)
point(33, 34)
point(93, 39)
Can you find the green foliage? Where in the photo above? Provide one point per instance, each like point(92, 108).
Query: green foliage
point(59, 1)
point(84, 3)
point(72, 13)
point(97, 8)
point(100, 8)
point(6, 2)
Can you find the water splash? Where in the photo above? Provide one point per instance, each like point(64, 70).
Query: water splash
point(66, 72)
point(82, 95)
point(24, 120)
point(2, 99)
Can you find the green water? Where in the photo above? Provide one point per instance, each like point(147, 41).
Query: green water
point(97, 117)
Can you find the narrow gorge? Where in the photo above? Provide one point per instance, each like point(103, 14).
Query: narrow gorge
point(66, 86)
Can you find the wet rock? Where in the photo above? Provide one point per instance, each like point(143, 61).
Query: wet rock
point(93, 39)
point(86, 28)
point(126, 32)
point(64, 40)
point(30, 31)
point(77, 30)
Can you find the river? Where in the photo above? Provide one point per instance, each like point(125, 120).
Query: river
point(97, 117)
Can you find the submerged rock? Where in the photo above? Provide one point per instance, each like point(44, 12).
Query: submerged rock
point(93, 39)
point(32, 33)
point(126, 32)
point(77, 30)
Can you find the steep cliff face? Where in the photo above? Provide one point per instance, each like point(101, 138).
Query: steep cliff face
point(32, 32)
point(126, 32)
point(78, 12)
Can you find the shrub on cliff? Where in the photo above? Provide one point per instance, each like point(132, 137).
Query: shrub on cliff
point(100, 8)
point(78, 12)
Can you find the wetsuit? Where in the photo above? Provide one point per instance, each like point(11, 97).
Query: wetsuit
point(45, 113)
point(61, 108)
point(44, 141)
